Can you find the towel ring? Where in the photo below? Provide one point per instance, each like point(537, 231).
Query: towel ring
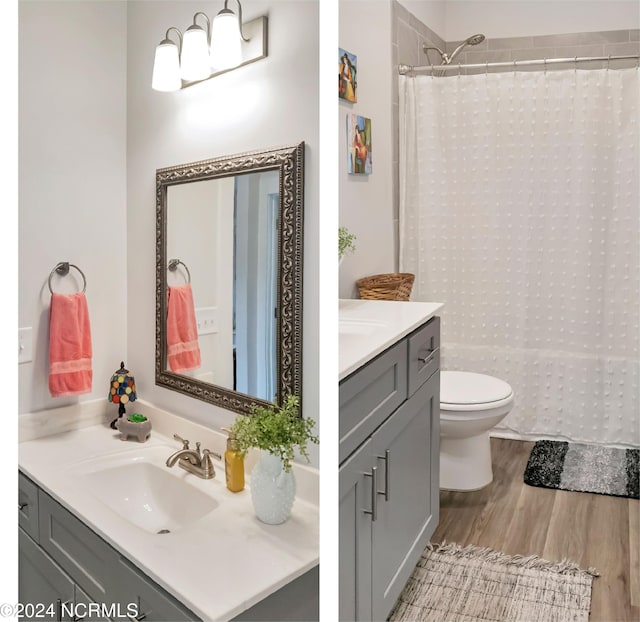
point(63, 269)
point(173, 266)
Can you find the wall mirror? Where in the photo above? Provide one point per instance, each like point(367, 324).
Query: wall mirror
point(229, 230)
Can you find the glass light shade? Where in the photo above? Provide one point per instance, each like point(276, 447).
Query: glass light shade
point(166, 67)
point(194, 63)
point(122, 387)
point(226, 42)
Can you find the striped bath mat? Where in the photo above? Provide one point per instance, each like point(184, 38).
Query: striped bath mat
point(452, 583)
point(584, 468)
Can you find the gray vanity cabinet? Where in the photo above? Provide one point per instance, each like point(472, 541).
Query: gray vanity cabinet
point(84, 555)
point(355, 530)
point(41, 580)
point(28, 506)
point(408, 511)
point(61, 560)
point(389, 486)
point(151, 600)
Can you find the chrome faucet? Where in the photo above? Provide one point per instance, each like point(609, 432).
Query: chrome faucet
point(193, 460)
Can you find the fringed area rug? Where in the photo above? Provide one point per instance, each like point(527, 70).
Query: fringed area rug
point(456, 584)
point(584, 468)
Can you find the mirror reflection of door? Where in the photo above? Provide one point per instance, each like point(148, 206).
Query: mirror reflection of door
point(256, 212)
point(225, 231)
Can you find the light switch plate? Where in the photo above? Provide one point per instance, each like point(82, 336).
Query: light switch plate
point(25, 345)
point(207, 320)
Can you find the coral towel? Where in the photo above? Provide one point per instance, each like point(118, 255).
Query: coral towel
point(183, 350)
point(70, 352)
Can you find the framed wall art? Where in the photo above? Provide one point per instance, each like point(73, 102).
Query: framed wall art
point(359, 144)
point(347, 75)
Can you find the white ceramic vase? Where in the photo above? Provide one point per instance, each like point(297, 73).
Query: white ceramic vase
point(273, 490)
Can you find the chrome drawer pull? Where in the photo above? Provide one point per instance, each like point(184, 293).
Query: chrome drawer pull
point(387, 474)
point(374, 494)
point(22, 506)
point(142, 616)
point(427, 359)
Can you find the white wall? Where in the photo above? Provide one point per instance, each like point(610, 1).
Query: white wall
point(519, 18)
point(72, 179)
point(270, 103)
point(366, 206)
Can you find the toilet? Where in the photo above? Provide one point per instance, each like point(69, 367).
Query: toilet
point(470, 405)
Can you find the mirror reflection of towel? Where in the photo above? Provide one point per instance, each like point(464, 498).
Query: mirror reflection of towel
point(70, 349)
point(183, 351)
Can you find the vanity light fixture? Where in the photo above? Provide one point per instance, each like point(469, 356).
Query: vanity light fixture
point(195, 62)
point(203, 53)
point(166, 66)
point(227, 38)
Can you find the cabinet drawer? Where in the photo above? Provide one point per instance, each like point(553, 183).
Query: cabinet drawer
point(154, 604)
point(88, 559)
point(41, 582)
point(424, 354)
point(28, 506)
point(370, 395)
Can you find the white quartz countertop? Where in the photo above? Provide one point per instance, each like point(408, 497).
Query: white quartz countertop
point(369, 327)
point(221, 565)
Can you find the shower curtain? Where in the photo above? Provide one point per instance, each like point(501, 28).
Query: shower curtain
point(519, 209)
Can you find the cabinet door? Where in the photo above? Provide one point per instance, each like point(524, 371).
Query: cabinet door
point(355, 536)
point(28, 506)
point(41, 582)
point(297, 601)
point(88, 559)
point(154, 604)
point(405, 448)
point(87, 610)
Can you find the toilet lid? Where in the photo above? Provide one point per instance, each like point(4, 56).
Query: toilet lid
point(465, 387)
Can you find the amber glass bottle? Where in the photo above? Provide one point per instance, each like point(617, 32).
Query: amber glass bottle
point(233, 464)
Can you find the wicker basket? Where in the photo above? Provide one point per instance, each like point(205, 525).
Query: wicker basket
point(394, 286)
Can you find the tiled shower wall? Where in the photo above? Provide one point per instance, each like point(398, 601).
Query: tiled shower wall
point(409, 34)
point(606, 43)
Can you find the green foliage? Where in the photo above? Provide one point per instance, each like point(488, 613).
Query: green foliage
point(345, 242)
point(137, 418)
point(276, 429)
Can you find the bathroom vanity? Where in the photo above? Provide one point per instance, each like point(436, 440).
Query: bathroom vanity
point(81, 542)
point(389, 449)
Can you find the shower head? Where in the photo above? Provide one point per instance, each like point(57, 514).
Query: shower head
point(446, 59)
point(475, 39)
point(472, 40)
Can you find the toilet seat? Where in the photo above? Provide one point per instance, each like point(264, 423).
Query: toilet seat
point(464, 391)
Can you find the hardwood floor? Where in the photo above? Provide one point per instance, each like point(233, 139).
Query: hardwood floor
point(592, 530)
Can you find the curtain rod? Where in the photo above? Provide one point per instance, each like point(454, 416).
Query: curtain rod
point(404, 69)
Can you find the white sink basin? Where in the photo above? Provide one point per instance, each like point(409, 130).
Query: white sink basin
point(358, 327)
point(149, 495)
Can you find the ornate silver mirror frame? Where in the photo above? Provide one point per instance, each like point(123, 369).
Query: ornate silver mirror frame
point(289, 161)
